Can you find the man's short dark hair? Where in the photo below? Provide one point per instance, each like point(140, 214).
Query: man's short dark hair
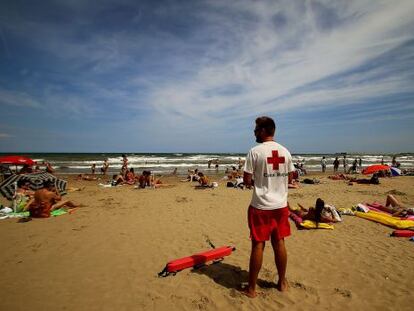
point(267, 124)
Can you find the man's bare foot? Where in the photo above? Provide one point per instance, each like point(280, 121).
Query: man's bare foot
point(283, 285)
point(248, 292)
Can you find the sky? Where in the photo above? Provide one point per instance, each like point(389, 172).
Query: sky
point(192, 76)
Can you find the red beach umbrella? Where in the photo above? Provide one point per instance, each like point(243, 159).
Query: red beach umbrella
point(375, 168)
point(16, 160)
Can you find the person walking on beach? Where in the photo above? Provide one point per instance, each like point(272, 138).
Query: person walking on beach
point(268, 168)
point(124, 162)
point(323, 164)
point(345, 162)
point(336, 164)
point(93, 168)
point(105, 166)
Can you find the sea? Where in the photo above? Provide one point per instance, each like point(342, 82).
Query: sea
point(164, 163)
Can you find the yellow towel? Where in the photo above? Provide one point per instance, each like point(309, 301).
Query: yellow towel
point(309, 224)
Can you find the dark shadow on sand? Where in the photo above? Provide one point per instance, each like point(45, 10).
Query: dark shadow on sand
point(229, 276)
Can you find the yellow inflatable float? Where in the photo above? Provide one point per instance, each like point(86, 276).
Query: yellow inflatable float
point(386, 219)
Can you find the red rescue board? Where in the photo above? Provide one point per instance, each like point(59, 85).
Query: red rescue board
point(196, 259)
point(403, 233)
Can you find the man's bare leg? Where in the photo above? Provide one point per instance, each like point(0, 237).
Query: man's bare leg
point(391, 201)
point(256, 259)
point(64, 203)
point(281, 263)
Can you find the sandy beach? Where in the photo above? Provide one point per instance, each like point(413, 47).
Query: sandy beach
point(106, 255)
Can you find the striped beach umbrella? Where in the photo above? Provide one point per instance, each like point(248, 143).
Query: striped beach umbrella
point(35, 180)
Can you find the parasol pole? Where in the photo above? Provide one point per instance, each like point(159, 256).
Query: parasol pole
point(14, 197)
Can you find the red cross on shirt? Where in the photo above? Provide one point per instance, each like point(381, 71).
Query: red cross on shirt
point(275, 160)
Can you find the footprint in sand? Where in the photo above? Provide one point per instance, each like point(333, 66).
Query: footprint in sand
point(201, 303)
point(182, 199)
point(80, 228)
point(343, 292)
point(35, 247)
point(302, 286)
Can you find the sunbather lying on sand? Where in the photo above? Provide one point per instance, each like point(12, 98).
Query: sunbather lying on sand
point(316, 214)
point(396, 208)
point(339, 177)
point(86, 177)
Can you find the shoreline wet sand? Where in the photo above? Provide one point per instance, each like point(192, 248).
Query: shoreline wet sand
point(106, 255)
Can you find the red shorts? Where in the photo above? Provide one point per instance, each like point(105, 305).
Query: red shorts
point(266, 223)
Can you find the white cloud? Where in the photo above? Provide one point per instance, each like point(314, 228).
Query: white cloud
point(267, 70)
point(18, 99)
point(4, 135)
point(271, 50)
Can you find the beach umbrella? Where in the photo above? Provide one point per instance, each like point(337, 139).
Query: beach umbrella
point(8, 186)
point(395, 171)
point(375, 168)
point(16, 160)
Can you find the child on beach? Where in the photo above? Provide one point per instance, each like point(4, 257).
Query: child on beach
point(23, 196)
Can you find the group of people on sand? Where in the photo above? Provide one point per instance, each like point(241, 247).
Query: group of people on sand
point(374, 180)
point(200, 177)
point(126, 176)
point(356, 165)
point(39, 203)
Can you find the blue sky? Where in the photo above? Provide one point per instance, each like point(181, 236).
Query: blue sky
point(192, 76)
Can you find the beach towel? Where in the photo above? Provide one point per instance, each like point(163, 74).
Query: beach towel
point(346, 211)
point(55, 213)
point(104, 185)
point(308, 224)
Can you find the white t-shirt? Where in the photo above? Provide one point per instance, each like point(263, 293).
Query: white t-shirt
point(270, 164)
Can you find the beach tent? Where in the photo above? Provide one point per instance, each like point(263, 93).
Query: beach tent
point(8, 186)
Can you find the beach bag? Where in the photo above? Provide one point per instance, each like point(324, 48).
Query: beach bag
point(362, 208)
point(333, 212)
